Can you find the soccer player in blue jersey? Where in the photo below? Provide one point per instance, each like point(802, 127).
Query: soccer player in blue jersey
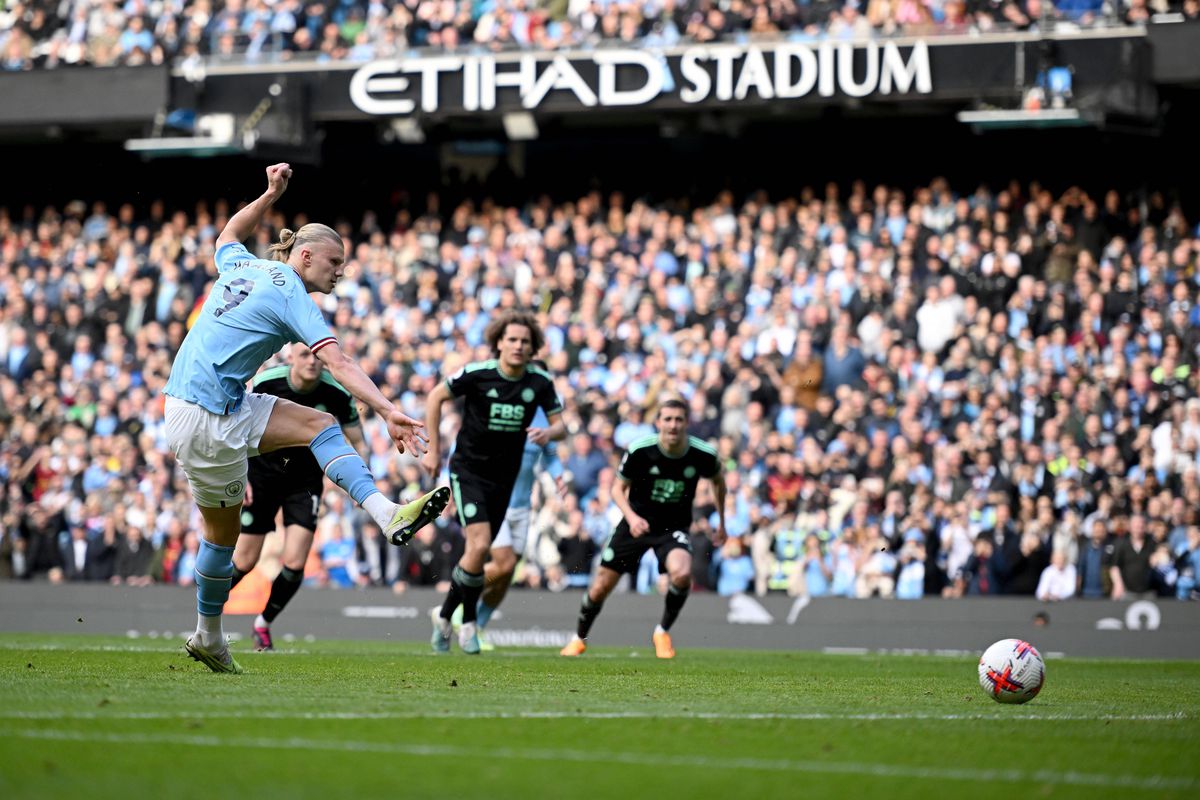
point(509, 545)
point(213, 424)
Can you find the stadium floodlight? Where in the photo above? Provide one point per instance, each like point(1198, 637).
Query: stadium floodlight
point(198, 146)
point(988, 119)
point(408, 130)
point(216, 137)
point(520, 126)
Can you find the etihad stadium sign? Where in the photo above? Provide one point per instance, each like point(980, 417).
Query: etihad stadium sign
point(627, 78)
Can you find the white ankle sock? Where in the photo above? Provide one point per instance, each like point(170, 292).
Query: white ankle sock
point(261, 622)
point(380, 508)
point(209, 630)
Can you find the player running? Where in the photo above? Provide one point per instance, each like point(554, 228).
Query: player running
point(655, 488)
point(213, 425)
point(509, 545)
point(499, 400)
point(291, 480)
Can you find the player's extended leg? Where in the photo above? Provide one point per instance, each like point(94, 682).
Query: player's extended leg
point(297, 542)
point(294, 425)
point(679, 573)
point(497, 577)
point(593, 600)
point(245, 557)
point(214, 572)
point(466, 583)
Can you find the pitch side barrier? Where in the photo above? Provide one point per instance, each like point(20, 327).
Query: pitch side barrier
point(1141, 628)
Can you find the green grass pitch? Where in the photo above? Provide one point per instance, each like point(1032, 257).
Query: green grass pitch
point(91, 717)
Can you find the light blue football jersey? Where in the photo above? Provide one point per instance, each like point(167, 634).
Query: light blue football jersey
point(256, 307)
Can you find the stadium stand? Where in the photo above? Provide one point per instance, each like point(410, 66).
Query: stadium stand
point(926, 391)
point(42, 34)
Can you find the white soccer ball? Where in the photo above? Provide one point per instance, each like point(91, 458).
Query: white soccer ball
point(1012, 671)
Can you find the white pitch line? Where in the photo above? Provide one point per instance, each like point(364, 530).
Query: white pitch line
point(286, 651)
point(656, 760)
point(597, 715)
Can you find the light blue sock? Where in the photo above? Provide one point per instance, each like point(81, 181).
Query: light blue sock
point(483, 613)
point(343, 464)
point(214, 576)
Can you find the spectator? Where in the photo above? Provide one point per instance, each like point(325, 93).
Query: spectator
point(735, 569)
point(1095, 560)
point(133, 559)
point(910, 578)
point(1187, 563)
point(1130, 570)
point(843, 363)
point(816, 567)
point(338, 552)
point(430, 557)
point(979, 575)
point(1058, 580)
point(584, 465)
point(876, 575)
point(84, 557)
point(1045, 412)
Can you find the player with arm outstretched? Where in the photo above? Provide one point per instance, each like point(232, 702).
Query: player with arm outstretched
point(655, 489)
point(500, 397)
point(213, 424)
point(290, 480)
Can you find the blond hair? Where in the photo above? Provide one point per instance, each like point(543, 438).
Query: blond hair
point(290, 239)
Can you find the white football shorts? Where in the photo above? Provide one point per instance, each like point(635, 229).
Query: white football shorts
point(514, 531)
point(213, 448)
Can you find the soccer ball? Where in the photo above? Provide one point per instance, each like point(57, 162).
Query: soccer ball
point(1012, 671)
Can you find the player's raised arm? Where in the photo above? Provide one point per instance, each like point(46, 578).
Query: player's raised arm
point(404, 430)
point(432, 462)
point(245, 221)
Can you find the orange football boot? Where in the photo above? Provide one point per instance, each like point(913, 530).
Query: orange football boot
point(662, 645)
point(575, 647)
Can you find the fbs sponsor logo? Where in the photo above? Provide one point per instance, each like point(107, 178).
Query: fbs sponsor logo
point(509, 417)
point(666, 490)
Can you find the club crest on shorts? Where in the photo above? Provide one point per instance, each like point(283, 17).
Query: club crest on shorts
point(469, 510)
point(234, 489)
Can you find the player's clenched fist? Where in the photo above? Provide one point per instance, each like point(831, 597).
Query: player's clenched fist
point(278, 176)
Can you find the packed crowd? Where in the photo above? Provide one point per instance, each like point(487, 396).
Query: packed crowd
point(933, 393)
point(46, 33)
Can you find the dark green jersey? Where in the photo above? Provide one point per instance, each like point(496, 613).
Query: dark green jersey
point(662, 488)
point(497, 411)
point(298, 463)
